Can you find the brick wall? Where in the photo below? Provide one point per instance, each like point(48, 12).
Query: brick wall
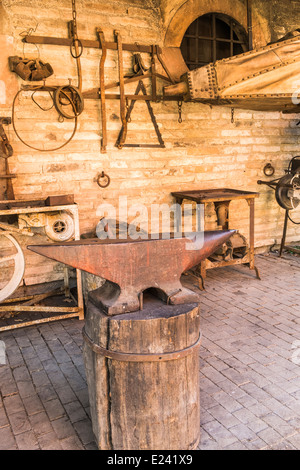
point(206, 150)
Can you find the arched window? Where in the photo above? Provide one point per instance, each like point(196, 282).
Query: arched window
point(212, 37)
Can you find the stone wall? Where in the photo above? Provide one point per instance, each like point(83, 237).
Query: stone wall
point(206, 150)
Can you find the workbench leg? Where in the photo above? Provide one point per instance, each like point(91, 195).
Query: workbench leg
point(251, 238)
point(200, 217)
point(78, 272)
point(178, 221)
point(282, 245)
point(202, 274)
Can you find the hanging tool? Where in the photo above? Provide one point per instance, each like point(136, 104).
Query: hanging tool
point(102, 89)
point(63, 92)
point(121, 85)
point(76, 44)
point(123, 133)
point(6, 151)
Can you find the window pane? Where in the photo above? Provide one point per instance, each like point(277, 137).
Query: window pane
point(188, 50)
point(192, 29)
point(205, 26)
point(222, 50)
point(237, 49)
point(205, 51)
point(222, 29)
point(196, 53)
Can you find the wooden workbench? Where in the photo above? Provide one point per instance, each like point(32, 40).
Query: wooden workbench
point(222, 196)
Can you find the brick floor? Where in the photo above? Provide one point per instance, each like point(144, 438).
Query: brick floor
point(249, 362)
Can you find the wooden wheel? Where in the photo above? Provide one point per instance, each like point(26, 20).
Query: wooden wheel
point(19, 266)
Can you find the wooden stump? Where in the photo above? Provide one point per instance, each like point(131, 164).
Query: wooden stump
point(143, 377)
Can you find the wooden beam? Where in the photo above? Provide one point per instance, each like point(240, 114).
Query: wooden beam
point(86, 43)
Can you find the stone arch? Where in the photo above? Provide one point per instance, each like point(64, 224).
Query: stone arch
point(192, 9)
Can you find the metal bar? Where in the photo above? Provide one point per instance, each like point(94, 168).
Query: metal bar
point(12, 228)
point(196, 42)
point(220, 264)
point(145, 146)
point(92, 95)
point(85, 43)
point(122, 90)
point(160, 140)
point(17, 299)
point(115, 96)
point(121, 139)
point(249, 24)
point(37, 308)
point(192, 36)
point(130, 80)
point(28, 209)
point(231, 38)
point(251, 239)
point(97, 91)
point(214, 44)
point(37, 298)
point(102, 90)
point(41, 320)
point(153, 75)
point(140, 357)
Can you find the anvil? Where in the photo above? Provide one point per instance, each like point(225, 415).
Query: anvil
point(132, 266)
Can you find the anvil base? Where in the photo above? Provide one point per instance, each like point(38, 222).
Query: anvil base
point(113, 301)
point(142, 372)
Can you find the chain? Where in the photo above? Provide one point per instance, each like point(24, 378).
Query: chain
point(232, 115)
point(127, 111)
point(76, 43)
point(74, 15)
point(179, 112)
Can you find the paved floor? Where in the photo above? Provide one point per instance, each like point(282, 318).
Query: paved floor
point(250, 369)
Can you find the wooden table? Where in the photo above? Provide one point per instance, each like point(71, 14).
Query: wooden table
point(219, 197)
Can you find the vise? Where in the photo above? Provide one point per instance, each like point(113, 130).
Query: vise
point(132, 266)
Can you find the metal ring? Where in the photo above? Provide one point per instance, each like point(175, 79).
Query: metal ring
point(74, 40)
point(76, 101)
point(142, 357)
point(102, 176)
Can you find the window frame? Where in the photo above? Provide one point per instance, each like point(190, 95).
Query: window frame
point(235, 28)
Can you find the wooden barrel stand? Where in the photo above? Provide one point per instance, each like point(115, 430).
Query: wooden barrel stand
point(142, 371)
